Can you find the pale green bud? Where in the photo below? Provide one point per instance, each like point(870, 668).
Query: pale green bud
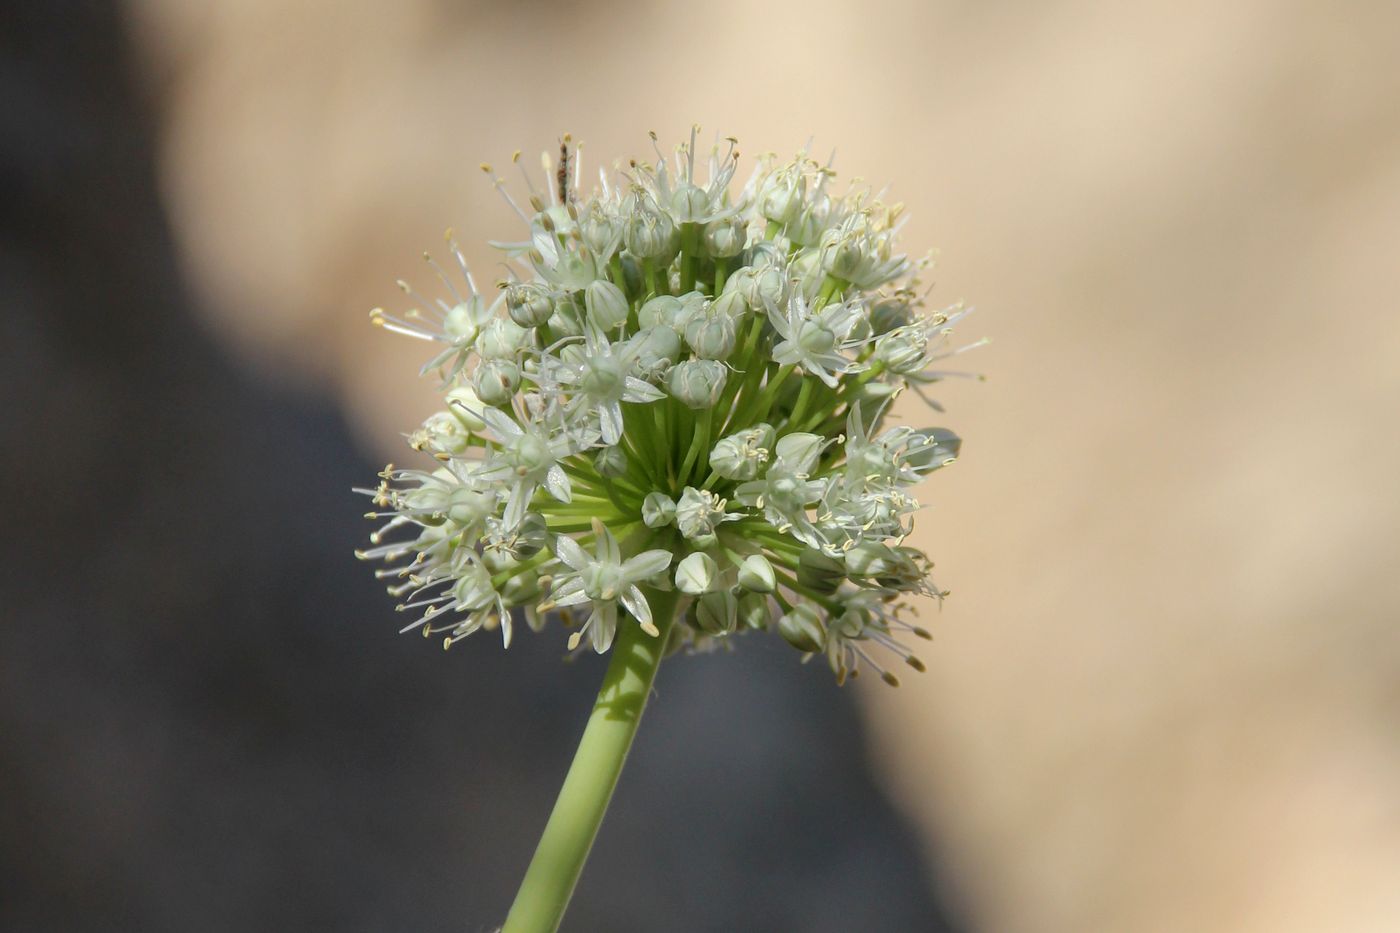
point(610, 462)
point(522, 588)
point(696, 574)
point(663, 309)
point(717, 613)
point(441, 432)
point(726, 237)
point(528, 305)
point(870, 559)
point(658, 510)
point(460, 323)
point(532, 535)
point(462, 403)
point(732, 305)
point(496, 381)
point(607, 305)
point(711, 337)
point(754, 612)
point(649, 234)
point(473, 589)
point(689, 203)
point(501, 339)
point(656, 348)
point(697, 383)
point(820, 572)
point(767, 286)
point(756, 574)
point(468, 507)
point(802, 628)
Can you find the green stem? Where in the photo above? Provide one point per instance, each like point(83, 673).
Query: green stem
point(568, 836)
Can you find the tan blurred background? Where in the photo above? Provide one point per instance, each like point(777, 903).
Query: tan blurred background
point(1165, 693)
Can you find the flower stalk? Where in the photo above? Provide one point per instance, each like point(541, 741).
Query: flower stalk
point(568, 836)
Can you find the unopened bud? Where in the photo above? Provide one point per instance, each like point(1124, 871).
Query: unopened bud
point(820, 572)
point(528, 305)
point(607, 305)
point(726, 237)
point(756, 574)
point(802, 628)
point(501, 339)
point(717, 613)
point(696, 574)
point(610, 462)
point(658, 510)
point(495, 381)
point(697, 383)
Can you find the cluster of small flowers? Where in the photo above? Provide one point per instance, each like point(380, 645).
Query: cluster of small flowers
point(679, 389)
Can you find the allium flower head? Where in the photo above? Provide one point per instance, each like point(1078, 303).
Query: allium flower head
point(680, 385)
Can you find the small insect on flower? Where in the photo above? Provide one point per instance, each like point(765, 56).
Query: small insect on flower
point(683, 387)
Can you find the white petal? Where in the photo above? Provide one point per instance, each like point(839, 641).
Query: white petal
point(779, 322)
point(610, 420)
point(636, 604)
point(557, 482)
point(520, 494)
point(567, 550)
point(570, 593)
point(645, 565)
point(641, 391)
point(499, 422)
point(604, 626)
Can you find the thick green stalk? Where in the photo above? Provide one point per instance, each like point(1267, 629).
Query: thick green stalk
point(568, 836)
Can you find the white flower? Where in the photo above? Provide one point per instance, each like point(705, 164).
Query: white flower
point(815, 341)
point(700, 374)
point(604, 580)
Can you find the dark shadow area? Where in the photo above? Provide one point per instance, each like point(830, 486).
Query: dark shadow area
point(208, 720)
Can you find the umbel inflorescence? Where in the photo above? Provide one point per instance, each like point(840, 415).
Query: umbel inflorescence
point(677, 386)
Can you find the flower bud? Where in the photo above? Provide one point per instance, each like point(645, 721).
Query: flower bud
point(732, 306)
point(460, 325)
point(610, 462)
point(870, 559)
point(802, 628)
point(663, 309)
point(756, 574)
point(689, 203)
point(468, 507)
point(522, 588)
point(717, 613)
point(607, 305)
point(820, 572)
point(711, 337)
point(473, 589)
point(649, 233)
point(440, 433)
point(658, 510)
point(726, 237)
point(601, 231)
point(501, 339)
point(495, 381)
point(697, 383)
point(767, 286)
point(531, 536)
point(656, 348)
point(464, 405)
point(567, 319)
point(754, 612)
point(528, 305)
point(696, 574)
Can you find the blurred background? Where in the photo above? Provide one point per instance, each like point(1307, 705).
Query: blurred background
point(1165, 692)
